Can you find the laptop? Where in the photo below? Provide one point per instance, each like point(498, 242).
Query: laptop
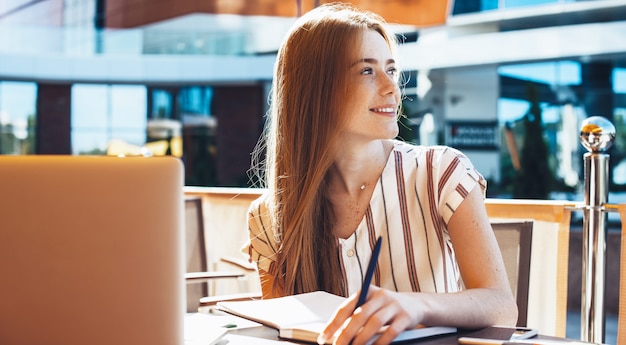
point(91, 250)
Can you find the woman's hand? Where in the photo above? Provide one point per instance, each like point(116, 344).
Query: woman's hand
point(385, 312)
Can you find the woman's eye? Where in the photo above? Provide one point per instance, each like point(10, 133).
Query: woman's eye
point(392, 71)
point(367, 70)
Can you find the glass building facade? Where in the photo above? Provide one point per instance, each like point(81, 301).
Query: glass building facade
point(178, 81)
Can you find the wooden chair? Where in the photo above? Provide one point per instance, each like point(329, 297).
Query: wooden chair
point(226, 208)
point(198, 274)
point(515, 241)
point(548, 288)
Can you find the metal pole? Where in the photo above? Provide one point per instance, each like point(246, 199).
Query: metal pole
point(594, 248)
point(597, 135)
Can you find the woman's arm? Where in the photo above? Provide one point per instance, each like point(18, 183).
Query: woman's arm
point(480, 262)
point(486, 301)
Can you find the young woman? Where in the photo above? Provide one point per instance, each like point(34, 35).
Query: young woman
point(336, 180)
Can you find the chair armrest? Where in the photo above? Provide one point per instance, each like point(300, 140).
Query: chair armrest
point(213, 300)
point(239, 262)
point(197, 277)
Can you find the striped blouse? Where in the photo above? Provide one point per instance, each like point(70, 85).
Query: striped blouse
point(413, 200)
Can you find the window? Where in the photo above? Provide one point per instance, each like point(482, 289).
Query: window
point(568, 93)
point(102, 114)
point(17, 117)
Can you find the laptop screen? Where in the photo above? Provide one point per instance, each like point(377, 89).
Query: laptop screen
point(91, 250)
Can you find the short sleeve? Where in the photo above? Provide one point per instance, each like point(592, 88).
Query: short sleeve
point(457, 178)
point(262, 245)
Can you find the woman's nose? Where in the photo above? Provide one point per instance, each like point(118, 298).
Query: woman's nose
point(388, 84)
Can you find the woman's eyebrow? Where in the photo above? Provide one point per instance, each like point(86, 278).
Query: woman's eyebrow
point(373, 61)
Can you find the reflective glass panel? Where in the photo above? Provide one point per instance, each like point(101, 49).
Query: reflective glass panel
point(102, 114)
point(17, 117)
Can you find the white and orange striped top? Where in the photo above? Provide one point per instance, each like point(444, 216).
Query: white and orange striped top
point(413, 200)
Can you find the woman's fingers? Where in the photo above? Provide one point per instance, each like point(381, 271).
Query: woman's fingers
point(393, 329)
point(382, 316)
point(341, 316)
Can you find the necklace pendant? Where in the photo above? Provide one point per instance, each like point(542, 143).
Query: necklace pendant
point(363, 186)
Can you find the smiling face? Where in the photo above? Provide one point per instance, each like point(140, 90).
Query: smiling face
point(374, 95)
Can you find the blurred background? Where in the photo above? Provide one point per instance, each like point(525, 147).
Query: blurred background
point(506, 81)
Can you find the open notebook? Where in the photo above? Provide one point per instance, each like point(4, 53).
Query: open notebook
point(303, 316)
point(91, 250)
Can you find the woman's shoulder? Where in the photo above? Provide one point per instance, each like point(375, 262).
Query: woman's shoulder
point(411, 149)
point(258, 205)
point(259, 219)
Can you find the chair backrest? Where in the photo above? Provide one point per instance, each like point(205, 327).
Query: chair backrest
point(515, 241)
point(548, 288)
point(195, 250)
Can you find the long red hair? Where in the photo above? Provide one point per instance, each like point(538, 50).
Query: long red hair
point(306, 118)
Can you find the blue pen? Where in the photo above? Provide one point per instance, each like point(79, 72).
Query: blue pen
point(370, 273)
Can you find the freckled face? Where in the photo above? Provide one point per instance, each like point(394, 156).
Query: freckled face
point(374, 94)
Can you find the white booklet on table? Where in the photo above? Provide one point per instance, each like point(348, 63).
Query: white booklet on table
point(303, 316)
